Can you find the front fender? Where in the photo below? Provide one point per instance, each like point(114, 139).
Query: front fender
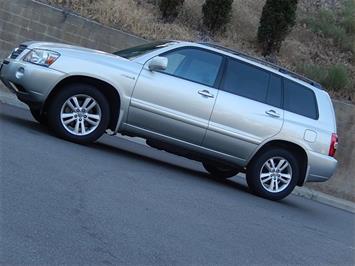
point(120, 75)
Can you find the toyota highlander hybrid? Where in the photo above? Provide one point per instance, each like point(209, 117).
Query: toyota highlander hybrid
point(230, 111)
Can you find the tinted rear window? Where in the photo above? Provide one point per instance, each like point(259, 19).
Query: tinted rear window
point(246, 80)
point(300, 100)
point(274, 95)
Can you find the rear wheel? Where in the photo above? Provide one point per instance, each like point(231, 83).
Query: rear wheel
point(79, 113)
point(219, 170)
point(273, 174)
point(40, 118)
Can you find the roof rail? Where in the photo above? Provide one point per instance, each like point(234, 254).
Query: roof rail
point(265, 63)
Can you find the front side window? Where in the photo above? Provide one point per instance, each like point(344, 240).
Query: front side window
point(300, 100)
point(194, 64)
point(245, 80)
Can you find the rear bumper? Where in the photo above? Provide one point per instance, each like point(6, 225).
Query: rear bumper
point(321, 167)
point(31, 83)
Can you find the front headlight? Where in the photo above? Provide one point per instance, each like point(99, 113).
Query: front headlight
point(41, 57)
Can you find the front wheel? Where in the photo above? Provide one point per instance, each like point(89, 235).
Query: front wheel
point(273, 174)
point(79, 113)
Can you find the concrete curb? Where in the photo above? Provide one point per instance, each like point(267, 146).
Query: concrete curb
point(325, 199)
point(8, 98)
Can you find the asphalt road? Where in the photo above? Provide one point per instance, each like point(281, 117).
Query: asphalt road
point(119, 202)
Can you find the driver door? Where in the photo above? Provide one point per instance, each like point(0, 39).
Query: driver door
point(178, 101)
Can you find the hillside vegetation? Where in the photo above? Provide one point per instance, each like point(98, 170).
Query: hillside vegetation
point(320, 46)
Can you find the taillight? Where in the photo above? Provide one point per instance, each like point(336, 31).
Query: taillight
point(333, 145)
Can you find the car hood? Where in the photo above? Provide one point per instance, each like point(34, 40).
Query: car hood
point(74, 51)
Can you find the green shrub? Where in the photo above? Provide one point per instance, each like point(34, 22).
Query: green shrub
point(333, 78)
point(314, 72)
point(337, 78)
point(340, 27)
point(277, 19)
point(325, 23)
point(322, 22)
point(170, 9)
point(216, 14)
point(348, 16)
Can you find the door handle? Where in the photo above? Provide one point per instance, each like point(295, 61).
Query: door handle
point(272, 113)
point(206, 93)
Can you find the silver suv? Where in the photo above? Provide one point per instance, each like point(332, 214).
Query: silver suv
point(232, 112)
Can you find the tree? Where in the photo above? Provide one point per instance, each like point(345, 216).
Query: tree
point(170, 9)
point(216, 14)
point(277, 19)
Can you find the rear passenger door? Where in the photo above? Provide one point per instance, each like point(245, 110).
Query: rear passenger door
point(247, 110)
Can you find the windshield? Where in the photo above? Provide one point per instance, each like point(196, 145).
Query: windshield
point(136, 51)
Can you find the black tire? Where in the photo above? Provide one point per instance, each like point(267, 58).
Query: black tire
point(255, 167)
point(40, 118)
point(220, 171)
point(55, 106)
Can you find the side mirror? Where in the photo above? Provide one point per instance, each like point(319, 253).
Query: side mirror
point(158, 63)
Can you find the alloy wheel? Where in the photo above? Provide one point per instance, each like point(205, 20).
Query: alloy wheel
point(276, 174)
point(80, 115)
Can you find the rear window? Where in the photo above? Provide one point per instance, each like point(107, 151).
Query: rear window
point(300, 100)
point(274, 95)
point(246, 81)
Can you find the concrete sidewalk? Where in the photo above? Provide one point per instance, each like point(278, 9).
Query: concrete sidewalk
point(9, 98)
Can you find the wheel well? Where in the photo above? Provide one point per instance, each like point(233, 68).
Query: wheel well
point(111, 94)
point(297, 150)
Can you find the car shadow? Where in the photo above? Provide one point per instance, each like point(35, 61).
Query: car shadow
point(114, 149)
point(25, 123)
point(156, 157)
point(129, 149)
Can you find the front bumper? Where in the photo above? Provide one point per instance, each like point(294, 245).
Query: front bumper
point(322, 167)
point(31, 83)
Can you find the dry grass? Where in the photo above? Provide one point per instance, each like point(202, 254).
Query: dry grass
point(141, 17)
